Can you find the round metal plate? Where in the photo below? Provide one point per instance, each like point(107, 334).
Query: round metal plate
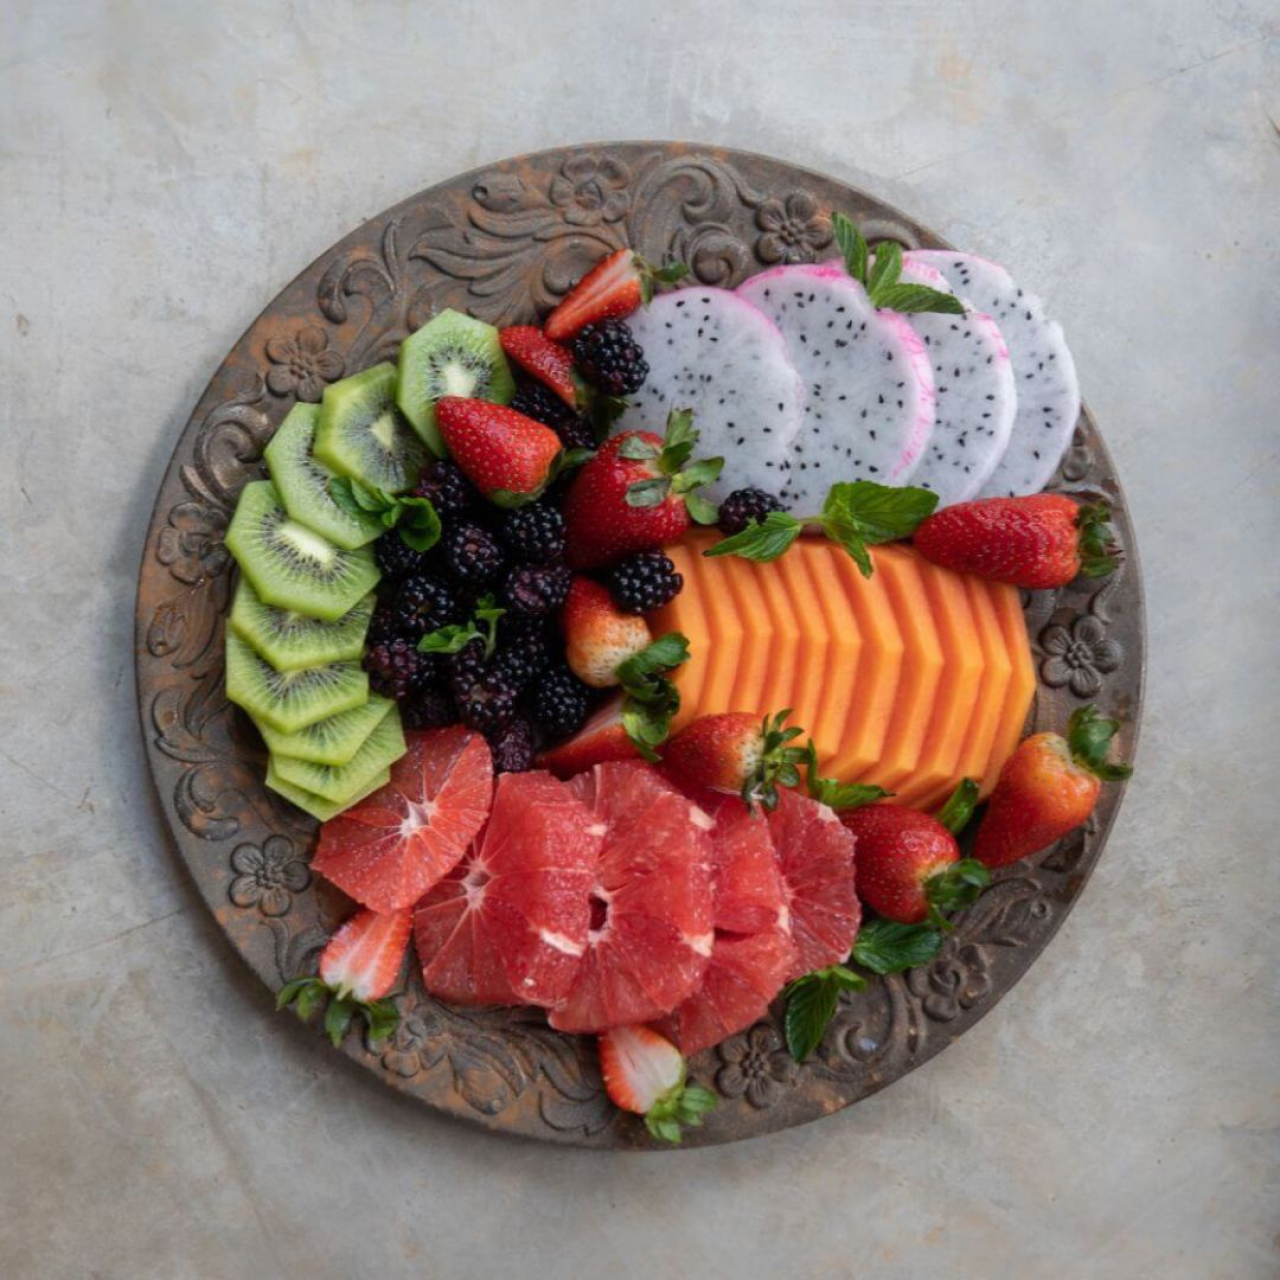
point(504, 243)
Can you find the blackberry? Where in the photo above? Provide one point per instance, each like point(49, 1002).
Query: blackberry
point(743, 506)
point(449, 491)
point(540, 403)
point(527, 652)
point(429, 709)
point(423, 603)
point(472, 554)
point(537, 590)
point(488, 703)
point(608, 356)
point(466, 666)
point(534, 534)
point(513, 747)
point(644, 581)
point(397, 670)
point(397, 559)
point(382, 626)
point(560, 702)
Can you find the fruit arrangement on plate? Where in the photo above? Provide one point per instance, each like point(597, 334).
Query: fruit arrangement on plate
point(642, 665)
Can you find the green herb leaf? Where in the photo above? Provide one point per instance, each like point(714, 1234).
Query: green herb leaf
point(701, 510)
point(954, 889)
point(418, 523)
point(853, 246)
point(337, 1019)
point(1089, 737)
point(910, 299)
point(648, 493)
point(860, 513)
point(651, 276)
point(811, 1004)
point(883, 946)
point(834, 793)
point(635, 448)
point(955, 814)
point(779, 761)
point(704, 471)
point(762, 540)
point(650, 700)
point(1098, 553)
point(310, 999)
point(382, 1018)
point(291, 990)
point(885, 270)
point(660, 655)
point(451, 639)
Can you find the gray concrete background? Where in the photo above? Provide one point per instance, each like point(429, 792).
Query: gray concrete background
point(166, 168)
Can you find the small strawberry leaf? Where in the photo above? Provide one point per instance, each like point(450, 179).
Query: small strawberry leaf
point(884, 946)
point(381, 1017)
point(853, 246)
point(701, 510)
point(660, 655)
point(779, 762)
point(650, 700)
point(762, 540)
point(1089, 737)
point(651, 277)
point(648, 493)
point(954, 889)
point(704, 471)
point(310, 1000)
point(955, 814)
point(834, 793)
point(635, 448)
point(337, 1019)
point(291, 991)
point(1098, 553)
point(811, 1004)
point(910, 299)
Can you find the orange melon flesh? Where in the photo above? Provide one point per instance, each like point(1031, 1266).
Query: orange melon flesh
point(910, 679)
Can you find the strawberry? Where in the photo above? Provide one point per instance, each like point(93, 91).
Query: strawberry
point(1048, 787)
point(1040, 541)
point(510, 458)
point(547, 361)
point(645, 1073)
point(737, 753)
point(615, 287)
point(637, 493)
point(602, 738)
point(358, 968)
point(909, 868)
point(599, 637)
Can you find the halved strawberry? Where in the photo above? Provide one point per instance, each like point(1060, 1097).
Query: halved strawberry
point(599, 637)
point(614, 287)
point(736, 752)
point(645, 1073)
point(602, 738)
point(358, 968)
point(510, 458)
point(547, 361)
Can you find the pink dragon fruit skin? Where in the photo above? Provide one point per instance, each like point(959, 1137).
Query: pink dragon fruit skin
point(869, 413)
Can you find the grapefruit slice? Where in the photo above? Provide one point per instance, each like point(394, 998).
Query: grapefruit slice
point(651, 922)
point(815, 857)
point(392, 847)
point(509, 924)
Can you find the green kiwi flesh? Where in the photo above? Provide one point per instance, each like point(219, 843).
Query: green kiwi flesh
point(289, 640)
point(303, 483)
point(451, 355)
point(291, 566)
point(360, 432)
point(315, 805)
point(290, 700)
point(334, 740)
point(339, 783)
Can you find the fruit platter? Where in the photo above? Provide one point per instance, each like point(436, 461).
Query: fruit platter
point(641, 646)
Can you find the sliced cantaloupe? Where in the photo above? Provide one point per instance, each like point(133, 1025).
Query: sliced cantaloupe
point(909, 679)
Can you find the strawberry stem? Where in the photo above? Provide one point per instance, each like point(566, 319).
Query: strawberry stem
point(1089, 739)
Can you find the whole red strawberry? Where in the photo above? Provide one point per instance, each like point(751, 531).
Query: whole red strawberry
point(508, 457)
point(638, 492)
point(738, 753)
point(599, 637)
point(909, 867)
point(1049, 786)
point(547, 361)
point(1040, 541)
point(616, 286)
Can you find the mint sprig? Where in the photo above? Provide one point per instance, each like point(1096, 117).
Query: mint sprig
point(308, 995)
point(415, 519)
point(857, 514)
point(456, 636)
point(650, 700)
point(811, 1004)
point(881, 276)
point(884, 946)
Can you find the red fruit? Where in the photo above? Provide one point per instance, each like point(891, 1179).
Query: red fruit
point(508, 457)
point(393, 846)
point(738, 753)
point(363, 958)
point(651, 926)
point(599, 637)
point(614, 287)
point(1044, 540)
point(601, 739)
point(509, 926)
point(636, 494)
point(1048, 787)
point(815, 856)
point(547, 361)
point(899, 850)
point(644, 1073)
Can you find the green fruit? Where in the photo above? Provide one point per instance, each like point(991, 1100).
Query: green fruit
point(331, 741)
point(289, 565)
point(451, 355)
point(315, 805)
point(303, 483)
point(290, 640)
point(290, 700)
point(361, 434)
point(340, 783)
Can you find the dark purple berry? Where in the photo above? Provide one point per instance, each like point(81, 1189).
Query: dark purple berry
point(539, 402)
point(608, 355)
point(744, 506)
point(537, 590)
point(397, 559)
point(472, 554)
point(487, 703)
point(644, 582)
point(560, 702)
point(534, 534)
point(430, 708)
point(425, 603)
point(397, 670)
point(513, 747)
point(447, 489)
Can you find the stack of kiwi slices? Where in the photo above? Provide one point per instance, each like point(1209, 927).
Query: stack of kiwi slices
point(301, 612)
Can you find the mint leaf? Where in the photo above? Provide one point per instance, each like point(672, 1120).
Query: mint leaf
point(860, 513)
point(909, 299)
point(955, 814)
point(834, 793)
point(450, 639)
point(762, 540)
point(959, 886)
point(811, 1004)
point(885, 270)
point(883, 946)
point(417, 522)
point(853, 246)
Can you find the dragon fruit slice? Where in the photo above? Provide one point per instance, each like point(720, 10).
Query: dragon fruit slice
point(869, 411)
point(1043, 370)
point(712, 352)
point(977, 396)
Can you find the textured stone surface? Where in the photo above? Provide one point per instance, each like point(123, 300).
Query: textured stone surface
point(160, 180)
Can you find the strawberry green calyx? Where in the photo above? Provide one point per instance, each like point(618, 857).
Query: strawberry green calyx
point(955, 814)
point(676, 472)
point(835, 794)
point(308, 995)
point(1089, 739)
point(954, 889)
point(651, 277)
point(681, 1107)
point(881, 276)
point(1099, 555)
point(778, 764)
point(650, 700)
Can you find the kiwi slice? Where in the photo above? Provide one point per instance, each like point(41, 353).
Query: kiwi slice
point(303, 484)
point(451, 355)
point(290, 700)
point(290, 640)
point(334, 740)
point(339, 783)
point(360, 432)
point(315, 805)
point(291, 566)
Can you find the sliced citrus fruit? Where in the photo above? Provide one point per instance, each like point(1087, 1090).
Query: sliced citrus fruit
point(393, 846)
